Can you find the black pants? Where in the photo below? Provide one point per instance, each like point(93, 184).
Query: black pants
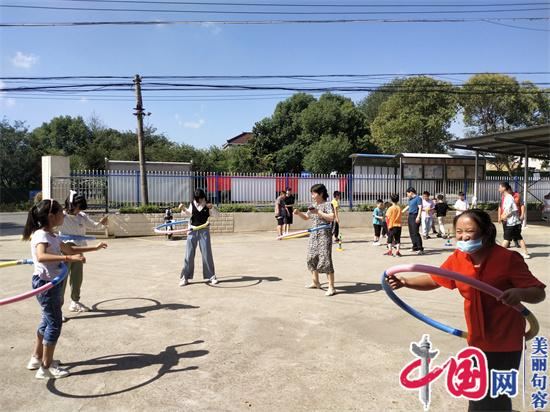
point(335, 229)
point(499, 361)
point(414, 232)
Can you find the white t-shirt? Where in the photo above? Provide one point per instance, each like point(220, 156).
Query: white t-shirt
point(461, 206)
point(510, 208)
point(427, 208)
point(76, 225)
point(48, 270)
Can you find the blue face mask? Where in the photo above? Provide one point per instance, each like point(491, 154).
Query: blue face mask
point(469, 246)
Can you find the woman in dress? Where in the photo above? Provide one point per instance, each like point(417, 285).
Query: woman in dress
point(319, 256)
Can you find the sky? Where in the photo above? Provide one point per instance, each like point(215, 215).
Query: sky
point(204, 118)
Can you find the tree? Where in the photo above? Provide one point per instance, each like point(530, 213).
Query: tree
point(64, 135)
point(329, 154)
point(416, 118)
point(370, 105)
point(20, 157)
point(494, 103)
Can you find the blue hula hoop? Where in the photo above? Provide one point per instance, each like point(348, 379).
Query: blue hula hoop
point(75, 237)
point(174, 223)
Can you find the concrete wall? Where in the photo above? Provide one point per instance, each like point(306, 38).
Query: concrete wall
point(127, 225)
point(54, 166)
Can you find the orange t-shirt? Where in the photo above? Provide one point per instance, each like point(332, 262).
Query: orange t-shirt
point(492, 325)
point(393, 216)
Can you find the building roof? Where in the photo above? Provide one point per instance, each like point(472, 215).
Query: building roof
point(536, 139)
point(238, 140)
point(411, 155)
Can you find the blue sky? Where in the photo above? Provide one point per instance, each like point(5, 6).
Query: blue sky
point(213, 49)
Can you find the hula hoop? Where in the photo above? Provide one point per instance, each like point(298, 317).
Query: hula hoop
point(158, 228)
point(302, 233)
point(75, 237)
point(181, 231)
point(477, 284)
point(15, 263)
point(55, 281)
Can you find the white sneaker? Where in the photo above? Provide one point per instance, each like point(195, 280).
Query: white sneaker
point(376, 243)
point(82, 307)
point(330, 292)
point(73, 307)
point(526, 255)
point(183, 282)
point(35, 363)
point(213, 280)
point(53, 372)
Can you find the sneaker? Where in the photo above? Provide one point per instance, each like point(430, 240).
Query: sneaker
point(313, 285)
point(419, 252)
point(183, 282)
point(35, 363)
point(53, 372)
point(376, 243)
point(330, 292)
point(73, 307)
point(397, 254)
point(82, 307)
point(439, 235)
point(213, 280)
point(388, 253)
point(526, 255)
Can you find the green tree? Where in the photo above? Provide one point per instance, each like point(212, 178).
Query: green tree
point(495, 102)
point(64, 135)
point(20, 157)
point(329, 154)
point(416, 118)
point(370, 105)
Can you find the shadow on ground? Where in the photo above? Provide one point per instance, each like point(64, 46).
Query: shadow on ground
point(167, 359)
point(240, 281)
point(135, 312)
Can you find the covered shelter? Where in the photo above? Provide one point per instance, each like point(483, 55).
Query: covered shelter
point(529, 142)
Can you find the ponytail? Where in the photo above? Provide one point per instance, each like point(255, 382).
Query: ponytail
point(39, 216)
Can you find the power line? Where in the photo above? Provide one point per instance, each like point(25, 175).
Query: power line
point(267, 22)
point(273, 76)
point(309, 4)
point(248, 12)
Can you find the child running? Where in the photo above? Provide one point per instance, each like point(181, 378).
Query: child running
point(336, 209)
point(319, 256)
point(378, 219)
point(75, 224)
point(47, 252)
point(493, 325)
point(199, 210)
point(393, 216)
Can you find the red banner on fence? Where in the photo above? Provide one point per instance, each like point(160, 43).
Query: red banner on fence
point(224, 183)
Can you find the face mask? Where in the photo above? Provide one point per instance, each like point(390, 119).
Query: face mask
point(469, 246)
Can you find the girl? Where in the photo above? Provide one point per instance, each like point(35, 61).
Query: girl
point(75, 224)
point(319, 256)
point(493, 326)
point(200, 211)
point(46, 251)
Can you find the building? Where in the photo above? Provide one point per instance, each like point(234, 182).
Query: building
point(239, 140)
point(425, 166)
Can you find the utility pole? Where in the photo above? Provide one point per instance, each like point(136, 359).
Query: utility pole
point(141, 149)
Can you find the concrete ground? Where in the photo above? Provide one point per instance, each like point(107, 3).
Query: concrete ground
point(257, 341)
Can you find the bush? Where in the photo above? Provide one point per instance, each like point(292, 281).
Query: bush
point(141, 209)
point(365, 208)
point(23, 206)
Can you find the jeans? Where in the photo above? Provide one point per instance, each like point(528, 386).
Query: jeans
point(50, 301)
point(427, 222)
point(202, 237)
point(414, 233)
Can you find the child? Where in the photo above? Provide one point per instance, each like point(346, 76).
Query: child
point(461, 204)
point(428, 207)
point(199, 210)
point(280, 212)
point(75, 224)
point(378, 219)
point(290, 199)
point(319, 256)
point(336, 209)
point(441, 208)
point(394, 226)
point(46, 251)
point(168, 217)
point(493, 325)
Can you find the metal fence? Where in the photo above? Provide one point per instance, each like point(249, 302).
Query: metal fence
point(114, 189)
